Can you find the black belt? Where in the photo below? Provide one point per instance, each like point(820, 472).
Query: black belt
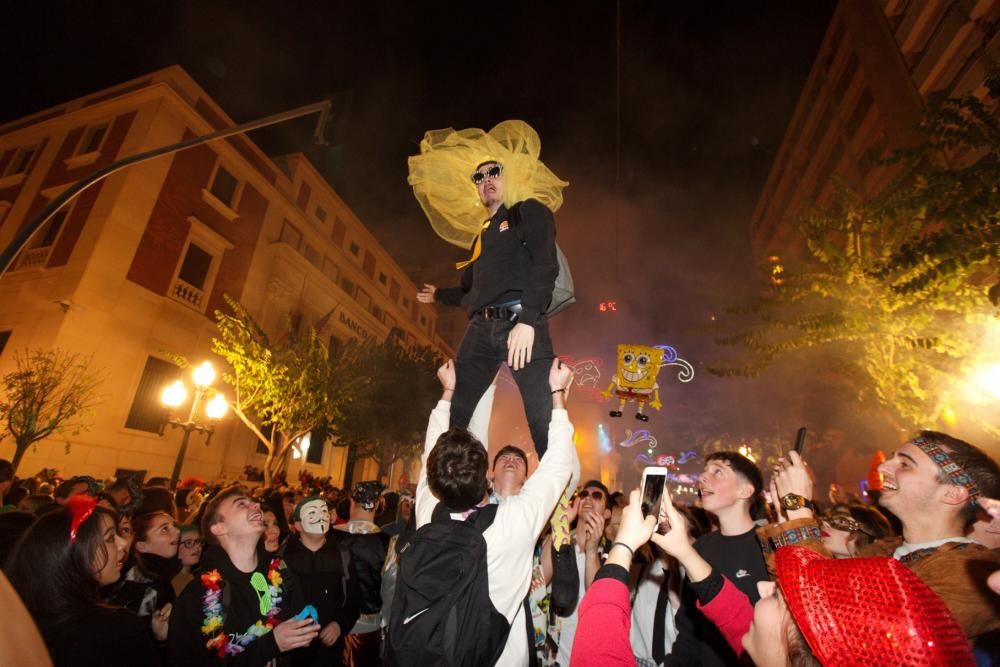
point(508, 312)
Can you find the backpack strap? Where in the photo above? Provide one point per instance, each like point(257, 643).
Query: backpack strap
point(530, 628)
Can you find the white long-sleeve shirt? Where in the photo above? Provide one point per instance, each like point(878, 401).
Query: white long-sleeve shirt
point(510, 540)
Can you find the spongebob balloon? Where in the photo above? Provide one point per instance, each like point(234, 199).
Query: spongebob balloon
point(635, 379)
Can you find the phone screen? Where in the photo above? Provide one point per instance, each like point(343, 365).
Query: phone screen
point(652, 492)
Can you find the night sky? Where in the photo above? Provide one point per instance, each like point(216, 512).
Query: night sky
point(707, 90)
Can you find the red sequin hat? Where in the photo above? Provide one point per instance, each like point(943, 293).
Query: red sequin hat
point(868, 611)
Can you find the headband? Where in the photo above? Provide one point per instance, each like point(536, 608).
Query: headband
point(955, 473)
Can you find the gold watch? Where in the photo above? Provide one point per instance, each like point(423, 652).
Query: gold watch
point(793, 501)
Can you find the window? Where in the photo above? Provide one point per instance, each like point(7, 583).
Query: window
point(423, 321)
point(394, 290)
point(290, 234)
point(859, 113)
point(320, 214)
point(194, 269)
point(347, 285)
point(338, 233)
point(330, 269)
point(315, 453)
point(377, 312)
point(312, 255)
point(406, 302)
point(846, 77)
point(364, 299)
point(382, 278)
point(355, 248)
point(4, 337)
point(21, 161)
point(147, 412)
point(390, 321)
point(36, 254)
point(91, 140)
point(369, 265)
point(224, 186)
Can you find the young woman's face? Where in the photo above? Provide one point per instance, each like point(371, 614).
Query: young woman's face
point(836, 540)
point(272, 532)
point(162, 538)
point(766, 640)
point(189, 548)
point(125, 531)
point(110, 555)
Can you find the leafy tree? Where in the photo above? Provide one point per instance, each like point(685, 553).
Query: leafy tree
point(951, 186)
point(286, 387)
point(388, 419)
point(895, 286)
point(48, 393)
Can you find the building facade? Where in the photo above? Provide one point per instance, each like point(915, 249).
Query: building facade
point(134, 268)
point(878, 66)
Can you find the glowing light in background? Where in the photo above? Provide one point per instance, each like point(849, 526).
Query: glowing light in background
point(603, 439)
point(986, 380)
point(670, 358)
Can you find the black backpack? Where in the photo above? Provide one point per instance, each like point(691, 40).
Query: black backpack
point(442, 613)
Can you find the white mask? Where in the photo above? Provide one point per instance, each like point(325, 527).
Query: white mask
point(315, 517)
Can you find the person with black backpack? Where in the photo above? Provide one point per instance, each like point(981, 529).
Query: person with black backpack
point(464, 573)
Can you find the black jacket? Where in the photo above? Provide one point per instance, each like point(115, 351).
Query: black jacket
point(322, 575)
point(185, 641)
point(508, 270)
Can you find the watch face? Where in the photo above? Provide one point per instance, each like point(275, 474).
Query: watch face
point(790, 501)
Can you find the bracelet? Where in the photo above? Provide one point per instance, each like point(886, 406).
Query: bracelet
point(556, 391)
point(622, 544)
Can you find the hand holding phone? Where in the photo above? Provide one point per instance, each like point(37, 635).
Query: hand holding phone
point(654, 481)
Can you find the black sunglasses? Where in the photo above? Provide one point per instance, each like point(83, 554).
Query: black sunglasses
point(491, 173)
point(596, 494)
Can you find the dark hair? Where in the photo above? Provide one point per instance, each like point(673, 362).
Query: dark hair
point(40, 503)
point(6, 471)
point(54, 576)
point(141, 524)
point(343, 509)
point(157, 482)
point(157, 499)
point(799, 652)
point(211, 515)
point(742, 466)
point(874, 525)
point(697, 520)
point(15, 495)
point(456, 470)
point(279, 516)
point(618, 499)
point(600, 485)
point(12, 527)
point(975, 462)
point(511, 449)
point(66, 488)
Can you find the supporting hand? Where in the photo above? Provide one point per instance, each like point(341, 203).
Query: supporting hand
point(519, 343)
point(294, 634)
point(447, 377)
point(426, 295)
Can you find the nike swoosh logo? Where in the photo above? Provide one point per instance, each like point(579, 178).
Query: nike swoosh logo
point(410, 618)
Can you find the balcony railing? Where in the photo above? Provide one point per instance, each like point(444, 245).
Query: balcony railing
point(36, 258)
point(187, 294)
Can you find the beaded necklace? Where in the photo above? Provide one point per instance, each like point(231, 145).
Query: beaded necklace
point(234, 644)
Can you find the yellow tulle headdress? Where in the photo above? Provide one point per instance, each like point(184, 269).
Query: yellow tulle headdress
point(442, 183)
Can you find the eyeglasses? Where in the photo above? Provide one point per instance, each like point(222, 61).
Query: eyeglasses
point(491, 173)
point(595, 494)
point(191, 544)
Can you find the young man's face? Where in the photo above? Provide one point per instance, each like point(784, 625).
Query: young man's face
point(491, 188)
point(509, 471)
point(240, 517)
point(911, 484)
point(314, 518)
point(594, 500)
point(722, 487)
point(611, 529)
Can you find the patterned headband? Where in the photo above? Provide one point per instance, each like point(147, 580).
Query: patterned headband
point(955, 473)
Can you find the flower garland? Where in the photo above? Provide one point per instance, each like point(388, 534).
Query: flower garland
point(229, 645)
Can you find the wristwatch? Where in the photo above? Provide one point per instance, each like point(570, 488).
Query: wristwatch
point(793, 501)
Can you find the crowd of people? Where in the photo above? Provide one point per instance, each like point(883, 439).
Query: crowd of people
point(482, 563)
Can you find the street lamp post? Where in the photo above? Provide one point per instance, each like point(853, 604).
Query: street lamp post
point(174, 396)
